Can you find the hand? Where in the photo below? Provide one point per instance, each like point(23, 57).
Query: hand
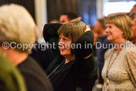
point(78, 18)
point(87, 28)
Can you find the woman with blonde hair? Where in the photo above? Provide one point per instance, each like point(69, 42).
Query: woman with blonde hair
point(119, 72)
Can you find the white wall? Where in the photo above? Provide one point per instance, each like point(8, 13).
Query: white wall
point(99, 8)
point(41, 14)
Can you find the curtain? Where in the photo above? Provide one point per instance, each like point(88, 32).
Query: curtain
point(87, 10)
point(28, 4)
point(56, 7)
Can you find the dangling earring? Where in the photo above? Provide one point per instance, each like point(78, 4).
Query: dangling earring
point(5, 53)
point(123, 35)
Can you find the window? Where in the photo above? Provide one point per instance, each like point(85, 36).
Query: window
point(119, 6)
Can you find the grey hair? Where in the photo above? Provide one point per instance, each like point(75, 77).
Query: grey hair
point(17, 25)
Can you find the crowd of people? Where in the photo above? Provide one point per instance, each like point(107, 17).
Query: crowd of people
point(74, 56)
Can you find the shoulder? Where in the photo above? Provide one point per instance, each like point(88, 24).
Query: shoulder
point(130, 53)
point(130, 48)
point(55, 62)
point(34, 76)
point(31, 68)
point(29, 65)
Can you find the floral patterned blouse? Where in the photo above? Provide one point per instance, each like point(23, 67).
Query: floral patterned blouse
point(119, 72)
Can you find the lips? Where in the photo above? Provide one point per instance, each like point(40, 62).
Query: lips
point(62, 49)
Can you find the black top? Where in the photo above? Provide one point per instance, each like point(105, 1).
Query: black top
point(79, 74)
point(35, 78)
point(73, 75)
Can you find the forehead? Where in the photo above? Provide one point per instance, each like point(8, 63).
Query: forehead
point(98, 23)
point(110, 24)
point(63, 36)
point(64, 17)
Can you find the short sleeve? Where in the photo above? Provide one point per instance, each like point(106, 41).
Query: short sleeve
point(131, 61)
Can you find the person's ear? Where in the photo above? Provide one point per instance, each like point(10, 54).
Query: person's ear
point(35, 34)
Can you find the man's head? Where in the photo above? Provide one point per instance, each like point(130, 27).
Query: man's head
point(133, 24)
point(100, 26)
point(66, 17)
point(133, 10)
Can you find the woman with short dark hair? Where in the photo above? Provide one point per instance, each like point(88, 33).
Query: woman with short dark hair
point(75, 68)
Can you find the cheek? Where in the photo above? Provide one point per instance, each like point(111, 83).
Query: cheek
point(134, 29)
point(110, 35)
point(65, 52)
point(69, 51)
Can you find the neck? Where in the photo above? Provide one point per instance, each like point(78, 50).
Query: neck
point(16, 57)
point(119, 44)
point(103, 33)
point(134, 41)
point(69, 58)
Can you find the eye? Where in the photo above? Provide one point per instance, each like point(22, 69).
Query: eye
point(110, 26)
point(60, 38)
point(64, 39)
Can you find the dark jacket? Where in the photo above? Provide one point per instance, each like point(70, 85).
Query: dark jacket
point(35, 77)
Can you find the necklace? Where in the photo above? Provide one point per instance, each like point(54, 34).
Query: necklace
point(55, 69)
point(111, 63)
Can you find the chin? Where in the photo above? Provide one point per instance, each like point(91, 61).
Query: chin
point(109, 38)
point(133, 37)
point(64, 54)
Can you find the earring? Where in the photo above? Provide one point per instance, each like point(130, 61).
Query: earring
point(5, 53)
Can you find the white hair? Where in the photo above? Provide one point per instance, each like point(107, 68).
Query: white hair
point(17, 25)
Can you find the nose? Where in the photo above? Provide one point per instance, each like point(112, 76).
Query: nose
point(107, 30)
point(60, 44)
